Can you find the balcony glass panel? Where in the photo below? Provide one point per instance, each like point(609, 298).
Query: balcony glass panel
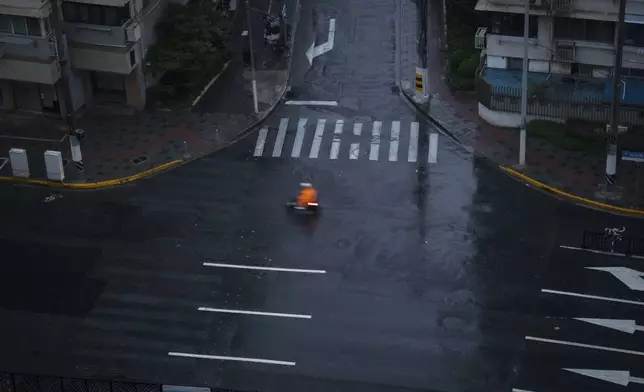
point(584, 30)
point(95, 14)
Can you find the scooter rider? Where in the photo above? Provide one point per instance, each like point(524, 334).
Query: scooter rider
point(307, 195)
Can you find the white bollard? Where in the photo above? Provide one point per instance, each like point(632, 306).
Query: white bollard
point(19, 162)
point(54, 165)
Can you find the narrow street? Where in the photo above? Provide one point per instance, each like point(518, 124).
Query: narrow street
point(424, 271)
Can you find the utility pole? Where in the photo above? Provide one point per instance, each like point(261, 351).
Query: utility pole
point(611, 147)
point(421, 70)
point(63, 89)
point(252, 57)
point(524, 85)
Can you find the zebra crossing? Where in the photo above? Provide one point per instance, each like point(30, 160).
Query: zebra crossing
point(322, 138)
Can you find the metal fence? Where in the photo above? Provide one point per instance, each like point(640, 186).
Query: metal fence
point(554, 104)
point(629, 245)
point(10, 382)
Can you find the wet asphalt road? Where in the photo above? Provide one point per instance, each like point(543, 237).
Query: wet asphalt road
point(426, 276)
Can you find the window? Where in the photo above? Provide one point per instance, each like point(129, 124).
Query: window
point(132, 57)
point(585, 30)
point(634, 35)
point(515, 63)
point(95, 14)
point(20, 25)
point(512, 24)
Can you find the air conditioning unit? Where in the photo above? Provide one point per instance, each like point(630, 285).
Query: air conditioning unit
point(133, 33)
point(480, 38)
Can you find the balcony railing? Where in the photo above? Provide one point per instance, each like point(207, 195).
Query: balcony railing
point(103, 35)
point(560, 6)
point(38, 48)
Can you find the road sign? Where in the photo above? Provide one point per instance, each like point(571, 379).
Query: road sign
point(628, 326)
point(633, 156)
point(620, 377)
point(634, 279)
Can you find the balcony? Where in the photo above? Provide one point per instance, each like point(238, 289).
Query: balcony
point(511, 46)
point(479, 38)
point(560, 6)
point(121, 36)
point(31, 8)
point(28, 59)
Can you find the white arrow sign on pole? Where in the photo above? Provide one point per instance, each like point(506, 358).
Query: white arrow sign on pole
point(620, 377)
point(628, 326)
point(315, 51)
point(634, 279)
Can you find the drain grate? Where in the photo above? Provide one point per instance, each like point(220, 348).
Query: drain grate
point(140, 159)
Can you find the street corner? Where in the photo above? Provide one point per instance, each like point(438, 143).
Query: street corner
point(586, 202)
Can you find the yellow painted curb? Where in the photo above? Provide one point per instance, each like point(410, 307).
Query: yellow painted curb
point(95, 185)
point(559, 192)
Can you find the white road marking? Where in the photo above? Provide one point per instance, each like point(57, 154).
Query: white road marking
point(3, 162)
point(276, 269)
point(254, 313)
point(299, 137)
point(312, 103)
point(317, 139)
point(375, 141)
point(634, 279)
point(281, 135)
point(335, 146)
point(432, 157)
point(619, 300)
point(394, 141)
point(628, 326)
point(237, 359)
point(261, 142)
point(354, 152)
point(601, 252)
point(520, 390)
point(413, 142)
point(583, 345)
point(620, 377)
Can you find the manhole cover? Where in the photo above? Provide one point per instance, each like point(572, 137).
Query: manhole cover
point(140, 159)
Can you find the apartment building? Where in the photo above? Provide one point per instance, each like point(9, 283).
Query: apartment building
point(105, 42)
point(571, 58)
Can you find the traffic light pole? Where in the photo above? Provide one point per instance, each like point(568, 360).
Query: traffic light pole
point(611, 148)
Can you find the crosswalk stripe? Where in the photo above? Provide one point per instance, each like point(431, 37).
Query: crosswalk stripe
point(433, 148)
point(413, 142)
point(281, 135)
point(354, 153)
point(261, 142)
point(375, 141)
point(393, 144)
point(317, 139)
point(299, 137)
point(335, 146)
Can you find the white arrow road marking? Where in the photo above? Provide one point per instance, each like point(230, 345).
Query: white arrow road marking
point(630, 277)
point(620, 377)
point(315, 51)
point(583, 345)
point(628, 326)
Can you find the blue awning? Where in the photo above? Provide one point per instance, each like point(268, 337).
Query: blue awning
point(632, 91)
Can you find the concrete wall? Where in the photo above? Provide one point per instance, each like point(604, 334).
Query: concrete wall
point(101, 60)
point(32, 8)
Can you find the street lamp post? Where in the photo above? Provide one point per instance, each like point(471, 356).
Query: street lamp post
point(252, 57)
point(524, 86)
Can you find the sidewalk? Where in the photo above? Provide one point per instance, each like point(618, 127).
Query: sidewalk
point(572, 172)
point(119, 143)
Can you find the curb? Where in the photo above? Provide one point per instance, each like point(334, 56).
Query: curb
point(582, 200)
point(99, 184)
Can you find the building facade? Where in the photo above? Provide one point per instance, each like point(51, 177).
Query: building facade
point(105, 43)
point(571, 59)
